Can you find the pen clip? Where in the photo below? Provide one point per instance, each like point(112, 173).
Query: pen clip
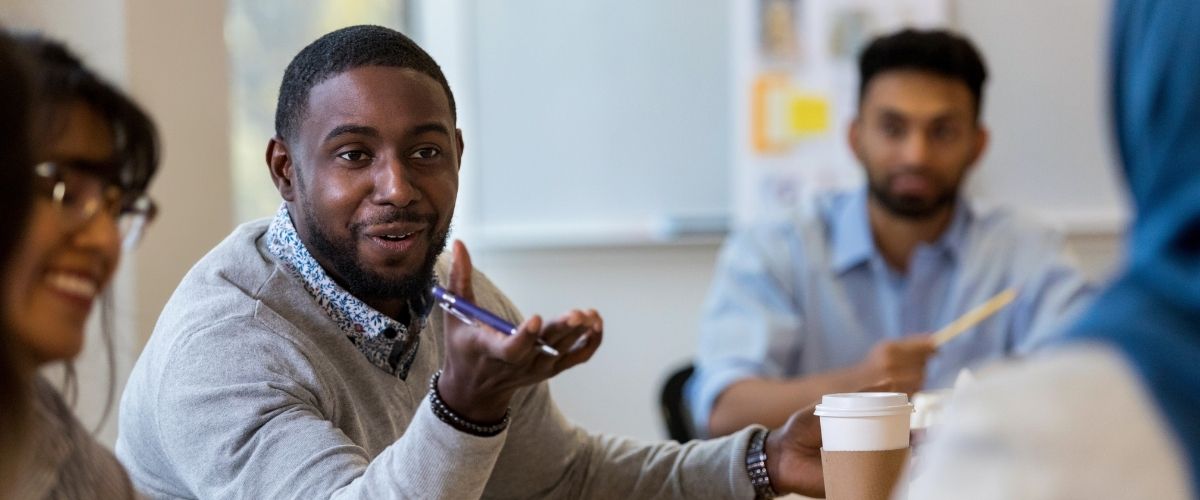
point(458, 314)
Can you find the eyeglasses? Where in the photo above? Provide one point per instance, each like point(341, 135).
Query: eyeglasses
point(79, 194)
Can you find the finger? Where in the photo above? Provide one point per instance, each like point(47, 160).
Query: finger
point(514, 349)
point(590, 324)
point(597, 321)
point(808, 426)
point(461, 269)
point(922, 343)
point(893, 384)
point(580, 352)
point(569, 324)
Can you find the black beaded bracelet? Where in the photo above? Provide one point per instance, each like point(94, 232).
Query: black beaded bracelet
point(445, 414)
point(756, 466)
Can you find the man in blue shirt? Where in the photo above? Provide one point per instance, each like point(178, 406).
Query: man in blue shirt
point(841, 294)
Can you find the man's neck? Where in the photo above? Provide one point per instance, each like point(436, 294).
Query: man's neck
point(897, 237)
point(397, 309)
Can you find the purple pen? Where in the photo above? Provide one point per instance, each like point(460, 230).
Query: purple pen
point(473, 315)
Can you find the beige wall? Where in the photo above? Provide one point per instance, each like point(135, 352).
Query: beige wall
point(177, 69)
point(171, 57)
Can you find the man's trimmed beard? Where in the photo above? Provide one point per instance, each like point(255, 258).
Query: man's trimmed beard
point(910, 207)
point(365, 283)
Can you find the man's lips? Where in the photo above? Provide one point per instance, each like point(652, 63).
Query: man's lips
point(395, 237)
point(911, 184)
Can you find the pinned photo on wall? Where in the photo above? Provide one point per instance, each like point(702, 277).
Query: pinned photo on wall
point(779, 42)
point(851, 29)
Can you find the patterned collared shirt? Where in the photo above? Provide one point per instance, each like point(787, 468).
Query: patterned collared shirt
point(387, 343)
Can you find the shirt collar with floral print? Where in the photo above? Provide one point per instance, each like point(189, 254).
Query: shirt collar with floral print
point(386, 343)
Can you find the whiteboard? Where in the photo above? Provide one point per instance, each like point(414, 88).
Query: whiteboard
point(618, 121)
point(599, 121)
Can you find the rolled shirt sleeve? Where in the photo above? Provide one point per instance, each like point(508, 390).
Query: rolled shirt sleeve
point(751, 319)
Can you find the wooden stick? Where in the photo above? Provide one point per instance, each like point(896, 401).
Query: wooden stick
point(973, 317)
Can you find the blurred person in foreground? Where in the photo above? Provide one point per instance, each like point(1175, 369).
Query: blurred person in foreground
point(96, 152)
point(16, 191)
point(1114, 410)
point(841, 293)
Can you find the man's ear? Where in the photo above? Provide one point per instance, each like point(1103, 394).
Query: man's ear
point(283, 171)
point(982, 136)
point(459, 139)
point(854, 138)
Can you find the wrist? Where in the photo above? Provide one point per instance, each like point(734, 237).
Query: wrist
point(758, 464)
point(457, 420)
point(465, 398)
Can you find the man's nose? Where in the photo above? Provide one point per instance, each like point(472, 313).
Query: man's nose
point(394, 184)
point(915, 149)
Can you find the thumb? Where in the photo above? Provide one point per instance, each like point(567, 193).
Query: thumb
point(459, 280)
point(921, 343)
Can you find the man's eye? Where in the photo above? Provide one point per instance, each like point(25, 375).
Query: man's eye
point(893, 130)
point(945, 133)
point(355, 156)
point(425, 153)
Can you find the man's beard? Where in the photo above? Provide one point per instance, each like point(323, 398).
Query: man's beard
point(365, 283)
point(911, 207)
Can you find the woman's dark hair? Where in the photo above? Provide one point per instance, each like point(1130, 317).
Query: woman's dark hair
point(61, 79)
point(16, 172)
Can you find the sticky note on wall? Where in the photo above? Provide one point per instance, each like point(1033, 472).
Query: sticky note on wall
point(808, 114)
point(782, 114)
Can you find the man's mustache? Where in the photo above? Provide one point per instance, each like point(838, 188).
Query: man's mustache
point(394, 217)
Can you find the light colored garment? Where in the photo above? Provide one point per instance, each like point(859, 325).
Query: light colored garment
point(1151, 311)
point(1075, 423)
point(248, 389)
point(387, 343)
point(811, 293)
point(65, 461)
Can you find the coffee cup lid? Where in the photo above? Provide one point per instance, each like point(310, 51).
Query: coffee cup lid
point(864, 404)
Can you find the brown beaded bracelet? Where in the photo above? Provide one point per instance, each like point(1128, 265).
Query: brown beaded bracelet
point(445, 414)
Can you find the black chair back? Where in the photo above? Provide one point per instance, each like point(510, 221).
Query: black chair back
point(676, 417)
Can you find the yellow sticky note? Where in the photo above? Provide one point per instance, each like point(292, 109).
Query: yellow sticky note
point(808, 114)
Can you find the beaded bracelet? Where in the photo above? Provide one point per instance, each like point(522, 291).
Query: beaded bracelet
point(445, 414)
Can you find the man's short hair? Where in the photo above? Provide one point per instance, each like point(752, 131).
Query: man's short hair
point(936, 51)
point(343, 50)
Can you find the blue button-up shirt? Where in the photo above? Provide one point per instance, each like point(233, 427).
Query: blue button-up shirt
point(812, 293)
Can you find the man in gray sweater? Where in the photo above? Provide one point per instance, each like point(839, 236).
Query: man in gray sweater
point(302, 357)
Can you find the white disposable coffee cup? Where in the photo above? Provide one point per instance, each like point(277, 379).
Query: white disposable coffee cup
point(864, 421)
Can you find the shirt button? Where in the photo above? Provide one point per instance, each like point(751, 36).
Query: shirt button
point(390, 333)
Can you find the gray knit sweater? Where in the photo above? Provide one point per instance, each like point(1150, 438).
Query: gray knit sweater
point(248, 390)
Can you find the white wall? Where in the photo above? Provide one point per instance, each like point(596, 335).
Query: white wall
point(171, 55)
point(1047, 106)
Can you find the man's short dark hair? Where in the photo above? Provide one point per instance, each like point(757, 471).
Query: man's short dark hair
point(937, 51)
point(343, 50)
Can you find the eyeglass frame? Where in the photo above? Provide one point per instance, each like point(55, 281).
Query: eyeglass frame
point(132, 210)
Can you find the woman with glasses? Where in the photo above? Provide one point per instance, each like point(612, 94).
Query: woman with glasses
point(95, 152)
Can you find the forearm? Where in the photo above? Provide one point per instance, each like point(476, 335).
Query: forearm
point(431, 460)
point(770, 402)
